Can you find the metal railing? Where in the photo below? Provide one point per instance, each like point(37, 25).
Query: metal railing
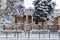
point(27, 32)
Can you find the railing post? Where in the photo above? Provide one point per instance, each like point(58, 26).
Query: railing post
point(58, 27)
point(39, 27)
point(49, 34)
point(39, 34)
point(6, 34)
point(22, 26)
point(13, 29)
point(30, 28)
point(48, 27)
point(28, 33)
point(5, 29)
point(17, 34)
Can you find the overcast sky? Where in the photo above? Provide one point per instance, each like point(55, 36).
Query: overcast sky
point(57, 4)
point(28, 3)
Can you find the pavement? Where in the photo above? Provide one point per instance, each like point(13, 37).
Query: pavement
point(24, 36)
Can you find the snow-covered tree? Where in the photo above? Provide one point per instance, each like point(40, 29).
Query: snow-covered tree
point(15, 6)
point(43, 8)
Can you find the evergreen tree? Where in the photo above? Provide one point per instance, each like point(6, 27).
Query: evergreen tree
point(43, 8)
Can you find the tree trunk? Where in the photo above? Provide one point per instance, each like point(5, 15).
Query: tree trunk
point(36, 21)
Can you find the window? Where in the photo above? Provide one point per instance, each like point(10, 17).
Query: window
point(9, 18)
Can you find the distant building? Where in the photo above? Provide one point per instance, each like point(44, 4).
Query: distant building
point(27, 17)
point(57, 17)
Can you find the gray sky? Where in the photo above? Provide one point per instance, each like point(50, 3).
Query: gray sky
point(28, 3)
point(57, 4)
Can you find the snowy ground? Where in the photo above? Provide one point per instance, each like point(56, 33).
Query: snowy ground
point(32, 37)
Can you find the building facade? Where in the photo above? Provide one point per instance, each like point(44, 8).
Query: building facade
point(28, 15)
point(57, 18)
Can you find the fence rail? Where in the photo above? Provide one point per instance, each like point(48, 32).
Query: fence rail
point(28, 30)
